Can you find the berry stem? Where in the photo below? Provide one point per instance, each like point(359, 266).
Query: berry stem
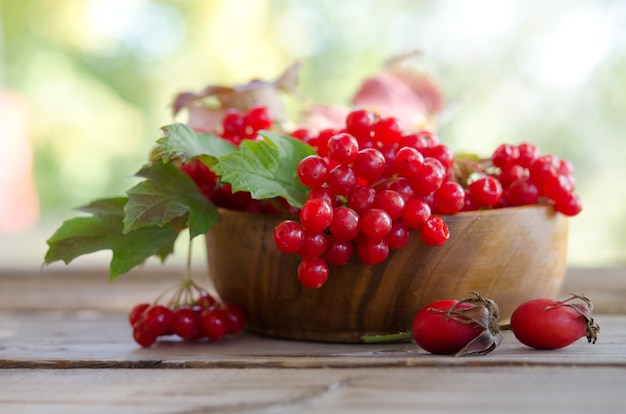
point(187, 276)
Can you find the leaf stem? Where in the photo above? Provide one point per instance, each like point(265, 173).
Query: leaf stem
point(397, 337)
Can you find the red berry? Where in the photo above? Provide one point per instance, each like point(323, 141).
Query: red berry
point(403, 187)
point(361, 198)
point(345, 224)
point(258, 117)
point(316, 215)
point(398, 236)
point(486, 191)
point(215, 323)
point(544, 168)
point(408, 162)
point(343, 148)
point(321, 141)
point(369, 164)
point(341, 180)
point(387, 131)
point(441, 152)
point(360, 123)
point(571, 205)
point(288, 236)
point(302, 134)
point(157, 319)
point(389, 152)
point(372, 251)
point(416, 212)
point(558, 189)
point(313, 273)
point(233, 124)
point(314, 245)
point(143, 337)
point(527, 153)
point(338, 252)
point(431, 176)
point(522, 192)
point(449, 198)
point(235, 317)
point(323, 193)
point(505, 155)
point(312, 171)
point(206, 300)
point(376, 223)
point(136, 314)
point(434, 232)
point(185, 323)
point(510, 174)
point(390, 201)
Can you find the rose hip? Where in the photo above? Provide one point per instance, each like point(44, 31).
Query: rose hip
point(551, 324)
point(461, 327)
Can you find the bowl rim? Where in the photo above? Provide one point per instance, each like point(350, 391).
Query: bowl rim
point(482, 212)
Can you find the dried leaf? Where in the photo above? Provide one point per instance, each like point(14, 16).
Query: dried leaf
point(205, 118)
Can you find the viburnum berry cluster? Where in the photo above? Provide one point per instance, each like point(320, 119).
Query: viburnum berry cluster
point(236, 126)
point(199, 318)
point(529, 177)
point(371, 184)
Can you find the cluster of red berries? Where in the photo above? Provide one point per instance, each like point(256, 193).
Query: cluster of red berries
point(235, 127)
point(529, 177)
point(205, 319)
point(371, 183)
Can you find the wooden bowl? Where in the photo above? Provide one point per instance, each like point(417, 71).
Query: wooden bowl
point(509, 255)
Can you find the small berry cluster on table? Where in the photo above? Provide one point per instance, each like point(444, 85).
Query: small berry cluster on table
point(195, 319)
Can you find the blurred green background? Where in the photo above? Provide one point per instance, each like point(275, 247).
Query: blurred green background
point(97, 78)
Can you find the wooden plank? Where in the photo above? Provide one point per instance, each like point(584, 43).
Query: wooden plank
point(90, 339)
point(70, 287)
point(472, 389)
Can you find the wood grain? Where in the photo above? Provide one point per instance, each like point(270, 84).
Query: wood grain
point(92, 339)
point(65, 347)
point(329, 390)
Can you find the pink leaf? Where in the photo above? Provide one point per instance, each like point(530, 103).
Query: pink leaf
point(319, 117)
point(409, 95)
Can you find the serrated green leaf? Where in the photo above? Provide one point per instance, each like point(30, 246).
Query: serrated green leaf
point(103, 231)
point(266, 168)
point(181, 142)
point(167, 193)
point(106, 206)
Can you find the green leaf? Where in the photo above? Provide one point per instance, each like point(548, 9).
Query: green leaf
point(103, 231)
point(266, 168)
point(166, 194)
point(181, 142)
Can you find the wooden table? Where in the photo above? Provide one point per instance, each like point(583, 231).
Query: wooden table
point(65, 347)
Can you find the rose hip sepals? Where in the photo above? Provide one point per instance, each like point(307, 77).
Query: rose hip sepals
point(585, 310)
